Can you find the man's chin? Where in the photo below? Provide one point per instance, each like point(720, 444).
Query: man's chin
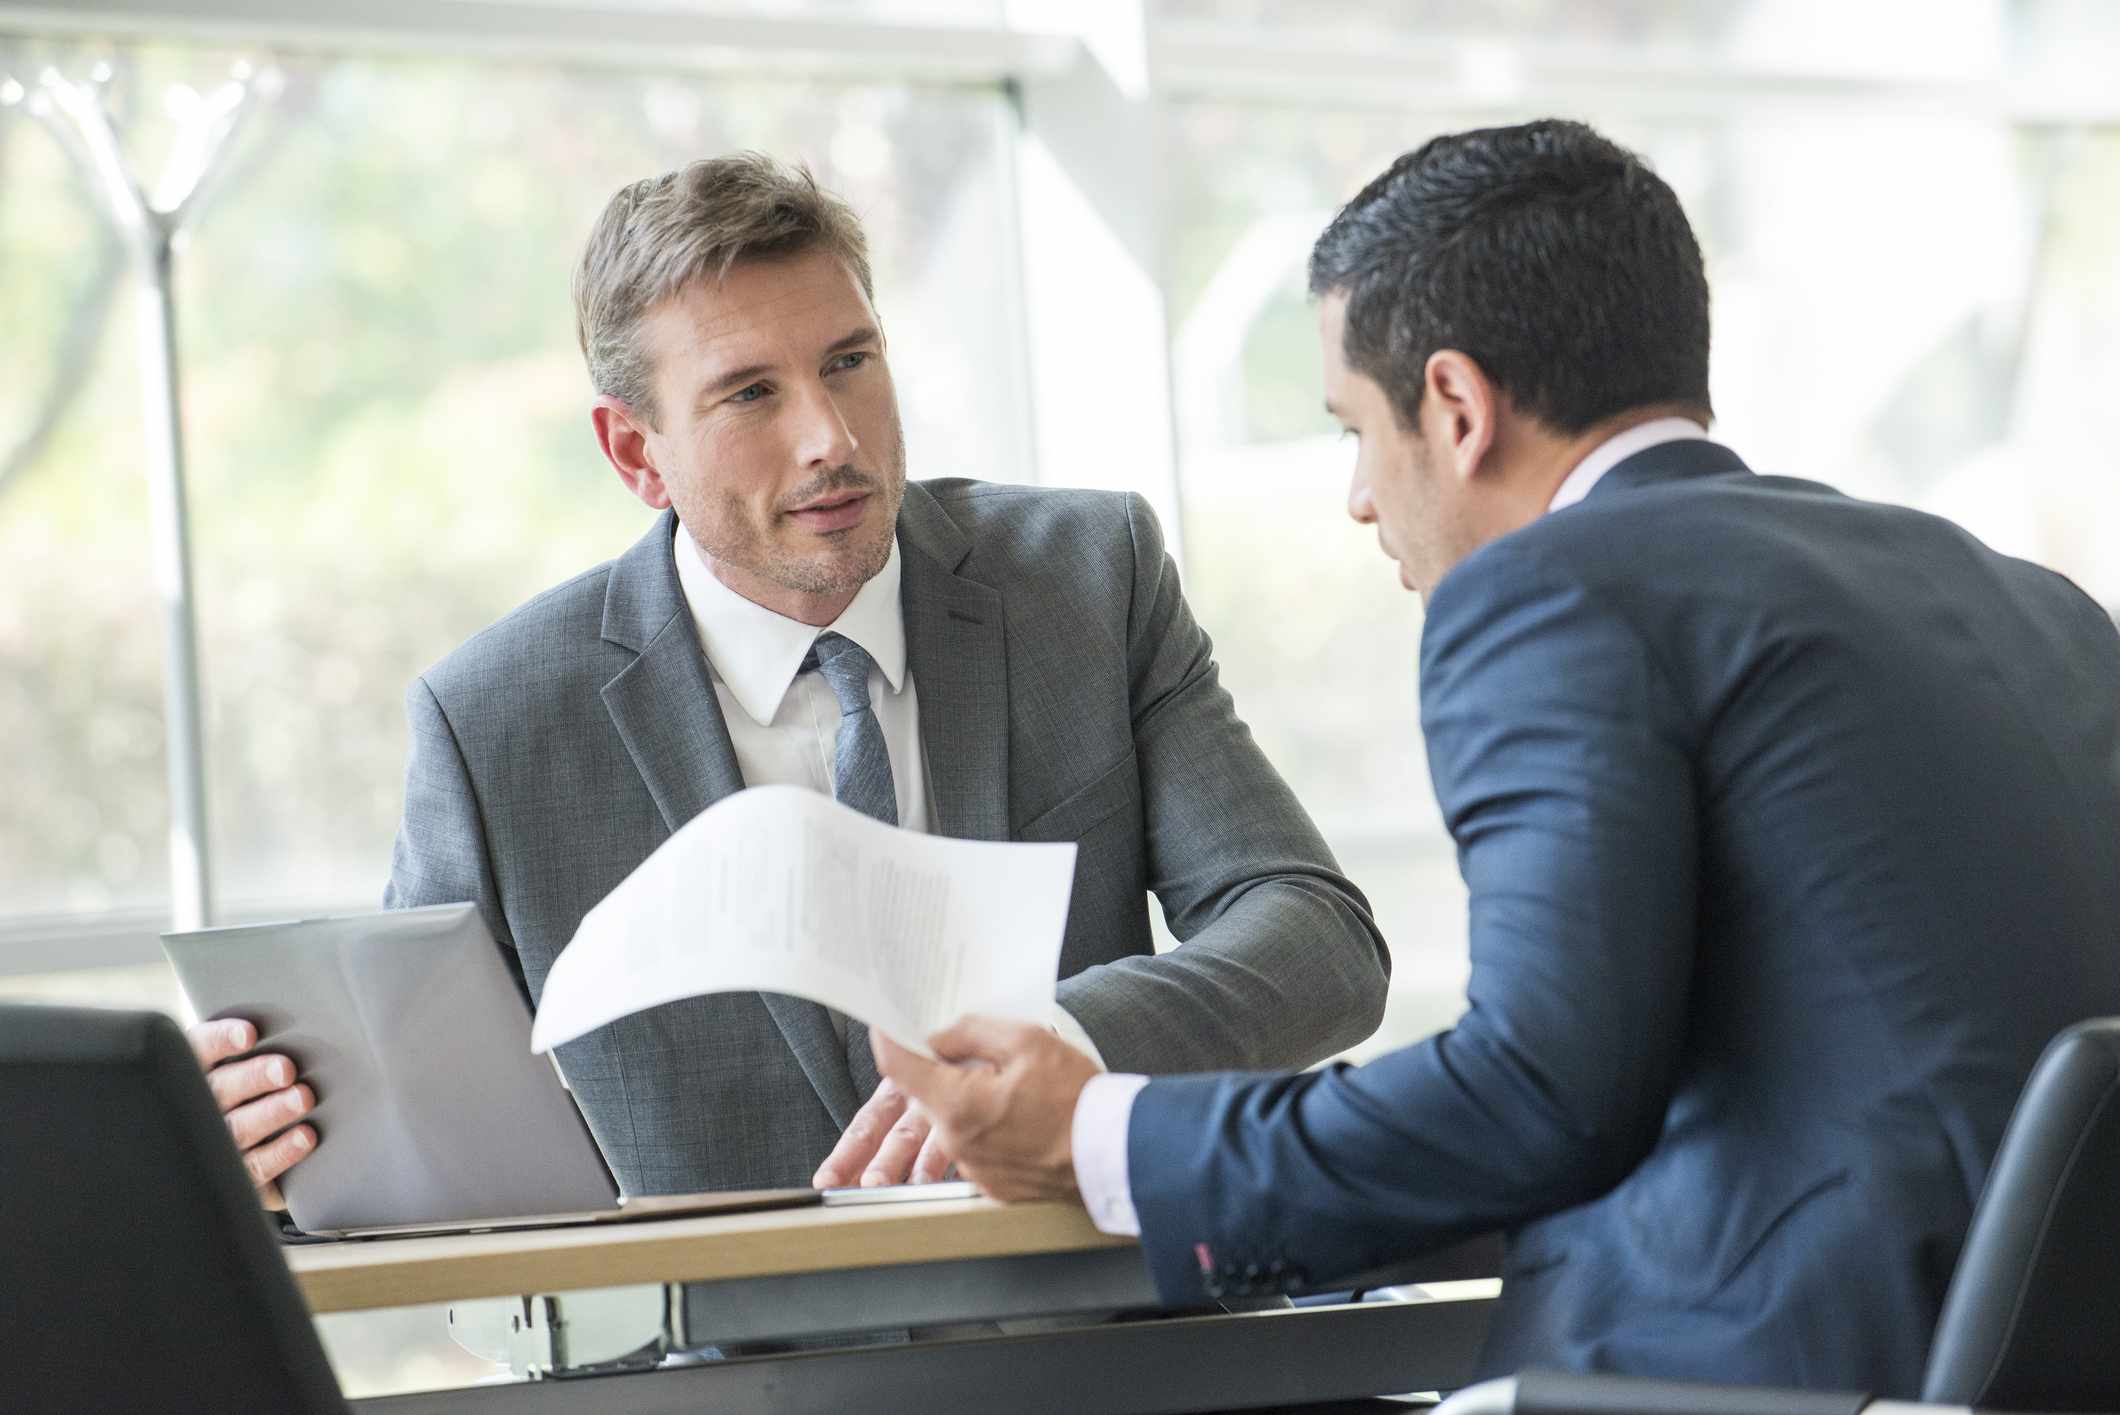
point(839, 568)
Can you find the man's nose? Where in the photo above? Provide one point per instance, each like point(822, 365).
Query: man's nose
point(1359, 504)
point(825, 439)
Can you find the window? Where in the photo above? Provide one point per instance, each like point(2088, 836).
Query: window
point(1909, 215)
point(1912, 302)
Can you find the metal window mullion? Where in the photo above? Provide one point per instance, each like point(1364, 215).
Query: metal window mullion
point(644, 36)
point(190, 848)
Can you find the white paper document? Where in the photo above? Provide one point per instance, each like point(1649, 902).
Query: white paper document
point(779, 889)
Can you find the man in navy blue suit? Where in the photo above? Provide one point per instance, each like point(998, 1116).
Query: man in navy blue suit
point(1791, 825)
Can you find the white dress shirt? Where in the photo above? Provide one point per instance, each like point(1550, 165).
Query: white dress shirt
point(784, 725)
point(1098, 1133)
point(1617, 449)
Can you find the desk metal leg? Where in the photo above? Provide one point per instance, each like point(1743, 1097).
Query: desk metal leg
point(542, 1333)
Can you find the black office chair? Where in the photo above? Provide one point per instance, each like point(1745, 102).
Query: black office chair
point(2032, 1318)
point(136, 1270)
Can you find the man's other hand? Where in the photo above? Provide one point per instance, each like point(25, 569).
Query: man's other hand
point(1002, 1099)
point(887, 1142)
point(260, 1098)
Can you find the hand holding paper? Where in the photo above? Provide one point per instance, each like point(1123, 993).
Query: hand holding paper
point(778, 889)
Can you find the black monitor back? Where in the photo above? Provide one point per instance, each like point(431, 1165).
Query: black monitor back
point(137, 1271)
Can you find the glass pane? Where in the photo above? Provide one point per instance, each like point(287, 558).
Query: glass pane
point(927, 12)
point(1918, 309)
point(86, 815)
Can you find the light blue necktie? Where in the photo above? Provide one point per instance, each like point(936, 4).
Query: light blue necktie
point(861, 775)
point(861, 779)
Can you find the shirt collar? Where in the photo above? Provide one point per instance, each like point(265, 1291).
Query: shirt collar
point(758, 652)
point(1617, 449)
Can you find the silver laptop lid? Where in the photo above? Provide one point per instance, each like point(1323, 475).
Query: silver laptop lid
point(410, 1028)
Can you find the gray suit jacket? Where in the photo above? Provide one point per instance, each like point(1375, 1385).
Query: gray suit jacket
point(1065, 694)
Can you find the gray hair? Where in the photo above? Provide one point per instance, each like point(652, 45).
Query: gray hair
point(660, 234)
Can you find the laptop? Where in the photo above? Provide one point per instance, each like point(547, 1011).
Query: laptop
point(432, 1115)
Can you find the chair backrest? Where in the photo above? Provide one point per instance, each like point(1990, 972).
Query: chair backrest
point(2032, 1319)
point(136, 1269)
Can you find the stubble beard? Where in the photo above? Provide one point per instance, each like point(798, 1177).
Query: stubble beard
point(846, 565)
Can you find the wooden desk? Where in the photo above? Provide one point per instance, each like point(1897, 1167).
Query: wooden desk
point(403, 1272)
point(795, 1272)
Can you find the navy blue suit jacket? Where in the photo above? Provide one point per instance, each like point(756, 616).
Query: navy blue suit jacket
point(1791, 825)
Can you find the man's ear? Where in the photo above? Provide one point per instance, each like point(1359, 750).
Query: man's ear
point(1463, 411)
point(623, 434)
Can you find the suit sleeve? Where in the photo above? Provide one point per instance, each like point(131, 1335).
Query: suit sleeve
point(441, 855)
point(1565, 778)
point(1280, 963)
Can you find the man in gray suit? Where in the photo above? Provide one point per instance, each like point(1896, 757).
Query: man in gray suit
point(984, 661)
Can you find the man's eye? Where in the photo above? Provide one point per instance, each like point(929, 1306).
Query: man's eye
point(848, 361)
point(749, 395)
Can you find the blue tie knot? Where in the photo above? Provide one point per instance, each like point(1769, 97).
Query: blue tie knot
point(845, 666)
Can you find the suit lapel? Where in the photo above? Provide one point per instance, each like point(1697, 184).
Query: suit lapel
point(664, 708)
point(861, 1062)
point(815, 1042)
point(958, 655)
point(666, 712)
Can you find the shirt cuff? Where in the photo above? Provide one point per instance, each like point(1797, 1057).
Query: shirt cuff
point(1071, 1032)
point(1102, 1113)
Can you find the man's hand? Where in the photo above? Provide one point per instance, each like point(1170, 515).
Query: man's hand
point(1009, 1117)
point(260, 1098)
point(887, 1142)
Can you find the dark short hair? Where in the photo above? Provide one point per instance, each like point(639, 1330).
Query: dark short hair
point(1549, 254)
